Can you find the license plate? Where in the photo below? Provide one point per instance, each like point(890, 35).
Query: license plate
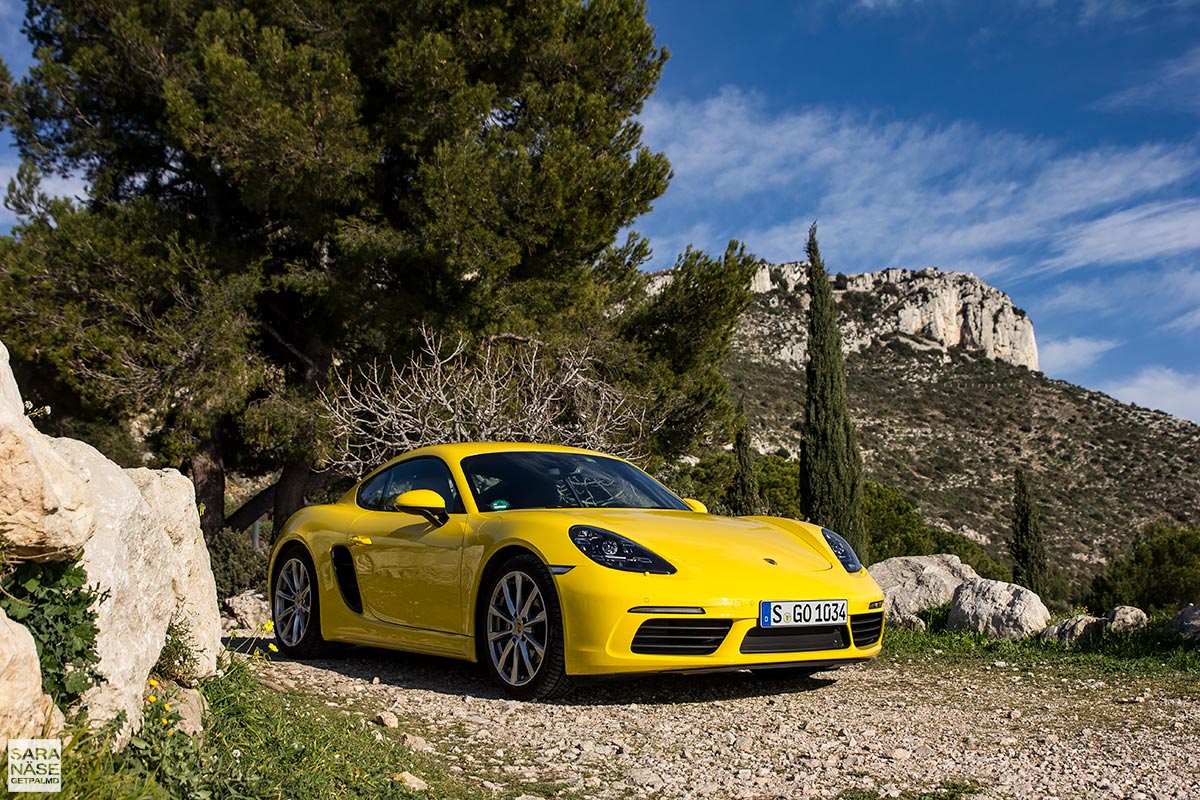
point(793, 613)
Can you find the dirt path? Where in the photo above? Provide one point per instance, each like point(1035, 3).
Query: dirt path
point(885, 727)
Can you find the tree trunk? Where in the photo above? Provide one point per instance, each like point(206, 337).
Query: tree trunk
point(208, 473)
point(289, 492)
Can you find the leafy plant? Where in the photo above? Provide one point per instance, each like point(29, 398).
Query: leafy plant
point(52, 600)
point(177, 661)
point(1162, 572)
point(236, 565)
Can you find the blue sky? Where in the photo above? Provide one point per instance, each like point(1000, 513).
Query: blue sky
point(1049, 146)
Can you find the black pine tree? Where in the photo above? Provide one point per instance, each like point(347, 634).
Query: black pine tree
point(744, 498)
point(830, 464)
point(1027, 545)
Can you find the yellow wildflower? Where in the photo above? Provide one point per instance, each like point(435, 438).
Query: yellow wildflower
point(171, 732)
point(269, 626)
point(164, 720)
point(273, 648)
point(167, 706)
point(152, 682)
point(153, 699)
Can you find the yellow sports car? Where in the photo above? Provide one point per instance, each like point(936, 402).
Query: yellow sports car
point(547, 564)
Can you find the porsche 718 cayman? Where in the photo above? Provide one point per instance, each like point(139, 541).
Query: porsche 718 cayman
point(547, 564)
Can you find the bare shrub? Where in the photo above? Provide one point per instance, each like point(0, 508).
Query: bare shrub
point(511, 389)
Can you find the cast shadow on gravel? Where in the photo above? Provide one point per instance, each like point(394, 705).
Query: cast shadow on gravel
point(462, 679)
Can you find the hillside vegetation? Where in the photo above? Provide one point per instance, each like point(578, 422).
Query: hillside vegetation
point(947, 426)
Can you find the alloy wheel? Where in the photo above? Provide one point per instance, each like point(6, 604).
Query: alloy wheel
point(517, 628)
point(293, 602)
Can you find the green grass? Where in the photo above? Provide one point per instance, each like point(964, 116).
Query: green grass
point(949, 790)
point(258, 743)
point(1152, 650)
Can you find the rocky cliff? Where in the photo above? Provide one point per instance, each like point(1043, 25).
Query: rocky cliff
point(929, 308)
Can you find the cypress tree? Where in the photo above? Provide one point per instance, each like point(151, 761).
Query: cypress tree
point(830, 464)
point(1027, 545)
point(744, 498)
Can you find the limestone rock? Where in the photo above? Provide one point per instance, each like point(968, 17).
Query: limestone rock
point(996, 609)
point(1187, 622)
point(412, 782)
point(930, 308)
point(128, 556)
point(26, 712)
point(172, 498)
point(249, 610)
point(387, 719)
point(1126, 618)
point(912, 584)
point(43, 503)
point(191, 706)
point(1079, 629)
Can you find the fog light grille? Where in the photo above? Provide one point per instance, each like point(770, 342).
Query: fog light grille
point(680, 636)
point(866, 628)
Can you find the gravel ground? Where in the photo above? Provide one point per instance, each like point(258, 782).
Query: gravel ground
point(887, 727)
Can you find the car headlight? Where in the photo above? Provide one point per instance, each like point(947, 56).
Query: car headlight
point(842, 549)
point(612, 550)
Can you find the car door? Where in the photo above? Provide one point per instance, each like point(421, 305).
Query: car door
point(409, 568)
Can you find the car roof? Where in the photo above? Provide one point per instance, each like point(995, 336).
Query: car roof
point(459, 451)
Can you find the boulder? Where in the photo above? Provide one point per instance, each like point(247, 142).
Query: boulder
point(130, 558)
point(26, 712)
point(191, 706)
point(1079, 629)
point(1187, 622)
point(997, 609)
point(43, 502)
point(1126, 618)
point(172, 499)
point(249, 611)
point(912, 584)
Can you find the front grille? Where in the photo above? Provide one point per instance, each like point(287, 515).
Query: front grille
point(866, 628)
point(796, 640)
point(680, 637)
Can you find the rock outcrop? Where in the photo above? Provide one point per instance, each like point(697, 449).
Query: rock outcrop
point(912, 584)
point(929, 308)
point(1079, 629)
point(248, 612)
point(26, 712)
point(1126, 618)
point(43, 503)
point(1187, 622)
point(997, 609)
point(139, 535)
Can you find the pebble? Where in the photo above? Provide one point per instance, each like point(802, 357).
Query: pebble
point(410, 781)
point(899, 730)
point(387, 719)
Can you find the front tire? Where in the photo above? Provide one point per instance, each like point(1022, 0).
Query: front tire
point(296, 605)
point(520, 632)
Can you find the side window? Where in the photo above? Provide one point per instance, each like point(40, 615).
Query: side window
point(380, 492)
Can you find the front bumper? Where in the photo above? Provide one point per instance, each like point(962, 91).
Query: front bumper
point(600, 628)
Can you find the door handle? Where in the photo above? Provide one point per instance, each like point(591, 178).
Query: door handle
point(360, 539)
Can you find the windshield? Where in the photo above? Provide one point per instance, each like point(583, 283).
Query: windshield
point(503, 481)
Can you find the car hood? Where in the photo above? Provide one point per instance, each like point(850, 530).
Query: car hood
point(706, 541)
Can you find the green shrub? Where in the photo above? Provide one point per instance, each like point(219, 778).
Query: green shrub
point(177, 661)
point(52, 600)
point(1163, 572)
point(236, 565)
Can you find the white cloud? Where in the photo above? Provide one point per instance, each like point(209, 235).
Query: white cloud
point(894, 193)
point(1157, 294)
point(1142, 233)
point(1161, 388)
point(1175, 86)
point(1071, 356)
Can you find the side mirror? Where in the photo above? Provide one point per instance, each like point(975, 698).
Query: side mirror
point(696, 505)
point(425, 502)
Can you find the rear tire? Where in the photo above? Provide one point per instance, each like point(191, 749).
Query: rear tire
point(296, 605)
point(519, 631)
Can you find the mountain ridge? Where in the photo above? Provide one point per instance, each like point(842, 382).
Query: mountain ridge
point(947, 401)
